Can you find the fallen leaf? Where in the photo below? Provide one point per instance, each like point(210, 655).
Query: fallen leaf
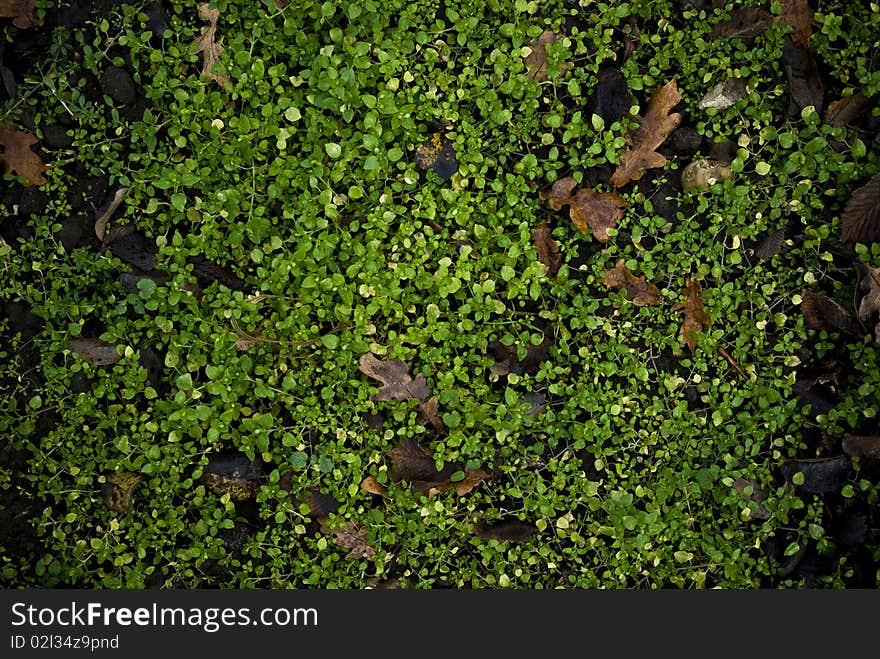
point(821, 475)
point(861, 446)
point(21, 12)
point(397, 383)
point(118, 489)
point(869, 288)
point(860, 220)
point(233, 474)
point(696, 319)
point(725, 94)
point(536, 60)
point(507, 358)
point(769, 246)
point(320, 505)
point(847, 110)
point(805, 86)
point(799, 15)
point(411, 462)
point(701, 174)
point(589, 210)
point(371, 485)
point(428, 413)
point(505, 530)
point(822, 313)
point(461, 487)
point(745, 24)
point(653, 130)
point(247, 340)
point(750, 491)
point(638, 291)
point(353, 536)
point(95, 351)
point(132, 246)
point(611, 99)
point(205, 44)
point(437, 153)
point(547, 248)
point(18, 157)
point(103, 215)
point(208, 272)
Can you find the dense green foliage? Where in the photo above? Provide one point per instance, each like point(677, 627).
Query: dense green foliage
point(299, 178)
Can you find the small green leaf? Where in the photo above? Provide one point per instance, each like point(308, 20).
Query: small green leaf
point(333, 150)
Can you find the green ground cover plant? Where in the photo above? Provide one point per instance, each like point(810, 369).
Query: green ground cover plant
point(348, 294)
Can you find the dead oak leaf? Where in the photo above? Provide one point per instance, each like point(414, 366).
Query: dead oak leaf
point(799, 15)
point(536, 60)
point(869, 286)
point(696, 319)
point(638, 291)
point(590, 211)
point(511, 530)
point(860, 220)
point(21, 12)
point(462, 487)
point(372, 486)
point(822, 313)
point(846, 111)
point(745, 24)
point(397, 383)
point(95, 351)
point(18, 157)
point(353, 536)
point(654, 128)
point(547, 248)
point(205, 44)
point(415, 464)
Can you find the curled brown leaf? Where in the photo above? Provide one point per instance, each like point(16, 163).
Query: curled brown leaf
point(590, 211)
point(205, 44)
point(696, 319)
point(18, 157)
point(547, 248)
point(536, 60)
point(860, 221)
point(638, 291)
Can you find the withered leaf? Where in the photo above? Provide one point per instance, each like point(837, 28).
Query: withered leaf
point(805, 86)
point(511, 530)
point(861, 446)
point(464, 486)
point(507, 357)
point(17, 156)
point(95, 351)
point(353, 536)
point(745, 24)
point(118, 489)
point(411, 462)
point(847, 110)
point(536, 60)
point(438, 154)
point(654, 128)
point(205, 44)
point(769, 246)
point(429, 414)
point(799, 15)
point(724, 94)
point(638, 291)
point(21, 12)
point(860, 221)
point(869, 288)
point(371, 485)
point(696, 319)
point(234, 474)
point(822, 313)
point(751, 492)
point(590, 211)
point(320, 505)
point(397, 383)
point(547, 248)
point(207, 272)
point(700, 174)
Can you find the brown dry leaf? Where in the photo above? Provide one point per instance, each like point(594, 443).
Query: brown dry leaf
point(205, 44)
point(745, 24)
point(799, 15)
point(547, 248)
point(353, 536)
point(822, 313)
point(371, 485)
point(394, 375)
point(860, 220)
point(696, 319)
point(17, 155)
point(95, 351)
point(505, 530)
point(654, 128)
point(869, 287)
point(536, 61)
point(428, 413)
point(21, 12)
point(847, 110)
point(469, 482)
point(769, 246)
point(861, 446)
point(411, 462)
point(590, 211)
point(638, 291)
point(701, 174)
point(805, 85)
point(118, 489)
point(507, 358)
